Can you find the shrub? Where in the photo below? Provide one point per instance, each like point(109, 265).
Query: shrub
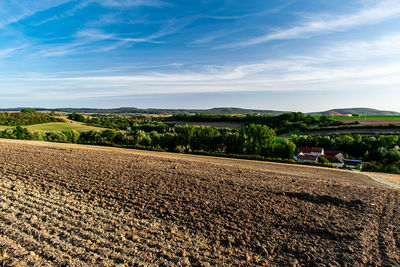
point(56, 137)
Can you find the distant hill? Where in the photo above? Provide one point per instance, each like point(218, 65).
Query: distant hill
point(360, 111)
point(122, 110)
point(220, 110)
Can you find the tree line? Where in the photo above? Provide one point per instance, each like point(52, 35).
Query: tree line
point(27, 117)
point(249, 140)
point(121, 123)
point(282, 123)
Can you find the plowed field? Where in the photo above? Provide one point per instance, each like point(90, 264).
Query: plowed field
point(82, 206)
point(369, 121)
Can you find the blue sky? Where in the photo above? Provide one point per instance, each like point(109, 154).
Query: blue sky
point(302, 55)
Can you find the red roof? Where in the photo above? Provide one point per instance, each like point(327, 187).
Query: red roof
point(332, 152)
point(311, 149)
point(334, 159)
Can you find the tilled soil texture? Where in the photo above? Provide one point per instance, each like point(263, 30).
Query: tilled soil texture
point(358, 130)
point(363, 121)
point(74, 205)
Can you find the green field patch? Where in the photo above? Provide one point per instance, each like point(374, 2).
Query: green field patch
point(58, 127)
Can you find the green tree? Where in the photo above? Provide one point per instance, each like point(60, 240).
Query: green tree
point(155, 139)
point(28, 111)
point(56, 137)
point(257, 138)
point(186, 135)
point(21, 133)
point(323, 160)
point(233, 143)
point(120, 138)
point(108, 135)
point(76, 117)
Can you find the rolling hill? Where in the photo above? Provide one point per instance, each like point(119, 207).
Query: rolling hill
point(360, 111)
point(124, 110)
point(219, 110)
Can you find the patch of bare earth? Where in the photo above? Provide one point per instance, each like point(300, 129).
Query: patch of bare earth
point(73, 205)
point(358, 130)
point(371, 121)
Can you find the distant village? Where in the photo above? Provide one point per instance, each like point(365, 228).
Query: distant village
point(334, 157)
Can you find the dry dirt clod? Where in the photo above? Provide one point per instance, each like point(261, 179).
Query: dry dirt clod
point(295, 263)
point(185, 261)
point(310, 249)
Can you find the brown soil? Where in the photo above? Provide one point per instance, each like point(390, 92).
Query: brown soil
point(75, 205)
point(372, 121)
point(358, 131)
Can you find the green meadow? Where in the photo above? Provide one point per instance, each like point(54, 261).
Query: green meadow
point(58, 127)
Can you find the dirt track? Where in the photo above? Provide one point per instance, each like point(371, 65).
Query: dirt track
point(74, 205)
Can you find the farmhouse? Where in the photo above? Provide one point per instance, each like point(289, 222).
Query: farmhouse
point(342, 115)
point(335, 157)
point(309, 154)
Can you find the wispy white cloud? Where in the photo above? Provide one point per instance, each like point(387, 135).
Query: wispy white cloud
point(212, 36)
point(381, 11)
point(76, 7)
point(12, 11)
point(89, 40)
point(324, 70)
point(387, 46)
point(98, 35)
point(8, 52)
point(118, 18)
point(132, 3)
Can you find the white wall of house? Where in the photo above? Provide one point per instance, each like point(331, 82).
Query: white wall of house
point(317, 154)
point(339, 165)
